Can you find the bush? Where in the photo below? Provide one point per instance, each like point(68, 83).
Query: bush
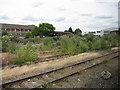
point(25, 54)
point(103, 44)
point(48, 43)
point(5, 40)
point(66, 45)
point(12, 47)
point(28, 35)
point(13, 38)
point(96, 45)
point(83, 47)
point(37, 39)
point(70, 44)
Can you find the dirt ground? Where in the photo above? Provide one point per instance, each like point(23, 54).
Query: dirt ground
point(32, 69)
point(7, 58)
point(91, 78)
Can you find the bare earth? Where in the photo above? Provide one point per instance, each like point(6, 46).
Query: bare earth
point(91, 78)
point(27, 70)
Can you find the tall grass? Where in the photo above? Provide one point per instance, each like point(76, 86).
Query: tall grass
point(25, 54)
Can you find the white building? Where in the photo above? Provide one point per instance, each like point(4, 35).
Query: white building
point(106, 31)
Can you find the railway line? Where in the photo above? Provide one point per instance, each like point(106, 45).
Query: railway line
point(58, 73)
point(41, 60)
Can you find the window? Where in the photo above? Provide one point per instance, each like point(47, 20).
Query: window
point(13, 29)
point(8, 29)
point(98, 31)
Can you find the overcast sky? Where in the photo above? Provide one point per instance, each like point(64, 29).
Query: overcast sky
point(84, 14)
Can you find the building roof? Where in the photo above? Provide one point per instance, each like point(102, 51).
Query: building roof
point(17, 26)
point(60, 32)
point(110, 29)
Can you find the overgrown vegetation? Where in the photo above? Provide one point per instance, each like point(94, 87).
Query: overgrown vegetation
point(26, 50)
point(25, 54)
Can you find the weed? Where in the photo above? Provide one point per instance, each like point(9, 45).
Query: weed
point(43, 86)
point(25, 54)
point(105, 61)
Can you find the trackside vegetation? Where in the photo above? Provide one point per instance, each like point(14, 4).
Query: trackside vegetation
point(27, 50)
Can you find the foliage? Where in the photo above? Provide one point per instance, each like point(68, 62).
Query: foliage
point(66, 31)
point(44, 29)
point(12, 47)
point(13, 38)
point(78, 32)
point(25, 54)
point(83, 47)
point(28, 35)
point(72, 44)
point(47, 44)
point(89, 37)
point(5, 40)
point(43, 86)
point(4, 33)
point(70, 30)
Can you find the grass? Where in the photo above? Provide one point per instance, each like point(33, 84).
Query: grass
point(106, 61)
point(42, 86)
point(71, 45)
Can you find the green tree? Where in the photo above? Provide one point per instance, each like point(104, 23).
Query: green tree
point(4, 32)
point(28, 35)
point(44, 29)
point(66, 31)
point(78, 32)
point(70, 30)
point(37, 32)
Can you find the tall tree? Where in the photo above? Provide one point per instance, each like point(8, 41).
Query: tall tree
point(47, 29)
point(78, 32)
point(70, 30)
point(44, 29)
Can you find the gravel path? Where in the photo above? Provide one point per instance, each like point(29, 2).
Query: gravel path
point(91, 78)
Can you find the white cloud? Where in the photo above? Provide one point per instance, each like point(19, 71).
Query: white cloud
point(84, 14)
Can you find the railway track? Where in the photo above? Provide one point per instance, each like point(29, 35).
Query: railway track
point(41, 60)
point(58, 73)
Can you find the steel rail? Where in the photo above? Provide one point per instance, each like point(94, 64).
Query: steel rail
point(55, 69)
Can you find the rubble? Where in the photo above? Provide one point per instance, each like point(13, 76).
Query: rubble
point(105, 75)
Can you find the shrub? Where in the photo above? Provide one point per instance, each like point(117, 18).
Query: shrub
point(25, 54)
point(5, 40)
point(13, 38)
point(83, 47)
point(68, 44)
point(28, 35)
point(37, 39)
point(48, 43)
point(103, 44)
point(12, 47)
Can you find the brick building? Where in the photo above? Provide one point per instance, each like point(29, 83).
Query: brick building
point(16, 29)
point(20, 30)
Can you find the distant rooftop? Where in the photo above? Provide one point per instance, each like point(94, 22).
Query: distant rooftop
point(110, 29)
